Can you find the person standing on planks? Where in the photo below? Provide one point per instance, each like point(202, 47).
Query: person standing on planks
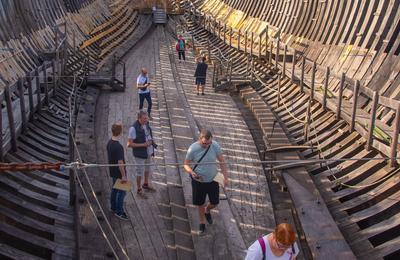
point(143, 86)
point(140, 139)
point(204, 153)
point(115, 152)
point(200, 74)
point(181, 48)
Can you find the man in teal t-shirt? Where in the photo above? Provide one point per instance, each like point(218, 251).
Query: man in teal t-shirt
point(202, 174)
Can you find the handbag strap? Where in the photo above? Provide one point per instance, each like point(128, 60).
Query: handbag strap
point(204, 154)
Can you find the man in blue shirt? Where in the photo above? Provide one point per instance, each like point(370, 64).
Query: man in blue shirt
point(143, 85)
point(203, 173)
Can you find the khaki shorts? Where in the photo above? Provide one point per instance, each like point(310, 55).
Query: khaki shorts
point(140, 168)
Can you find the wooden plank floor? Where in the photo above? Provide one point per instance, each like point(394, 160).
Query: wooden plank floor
point(165, 226)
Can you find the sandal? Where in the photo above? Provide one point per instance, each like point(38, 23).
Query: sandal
point(141, 194)
point(149, 188)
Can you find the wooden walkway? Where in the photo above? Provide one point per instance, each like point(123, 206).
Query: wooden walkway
point(165, 226)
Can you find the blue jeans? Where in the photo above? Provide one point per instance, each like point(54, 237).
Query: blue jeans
point(117, 199)
point(146, 96)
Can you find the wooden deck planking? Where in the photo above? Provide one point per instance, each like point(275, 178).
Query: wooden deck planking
point(251, 210)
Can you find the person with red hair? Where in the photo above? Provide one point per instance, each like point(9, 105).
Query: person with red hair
point(278, 245)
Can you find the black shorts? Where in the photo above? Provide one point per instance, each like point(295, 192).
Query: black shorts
point(200, 190)
point(200, 81)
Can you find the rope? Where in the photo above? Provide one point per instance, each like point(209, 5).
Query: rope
point(280, 96)
point(333, 174)
point(80, 165)
point(94, 215)
point(75, 169)
point(97, 202)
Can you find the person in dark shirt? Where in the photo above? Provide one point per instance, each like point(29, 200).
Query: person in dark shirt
point(200, 74)
point(115, 152)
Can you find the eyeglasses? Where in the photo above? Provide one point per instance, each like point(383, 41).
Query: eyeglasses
point(281, 246)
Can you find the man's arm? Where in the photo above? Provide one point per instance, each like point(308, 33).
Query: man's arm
point(188, 169)
point(122, 170)
point(140, 86)
point(224, 170)
point(131, 144)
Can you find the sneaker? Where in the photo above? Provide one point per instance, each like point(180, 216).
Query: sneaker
point(122, 216)
point(202, 229)
point(209, 218)
point(202, 94)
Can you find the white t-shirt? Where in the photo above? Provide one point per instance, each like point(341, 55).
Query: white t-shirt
point(255, 252)
point(132, 135)
point(143, 79)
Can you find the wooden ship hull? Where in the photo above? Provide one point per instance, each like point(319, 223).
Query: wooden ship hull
point(303, 97)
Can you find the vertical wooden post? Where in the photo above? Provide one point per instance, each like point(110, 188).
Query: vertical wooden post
point(278, 43)
point(11, 123)
point(271, 46)
point(252, 43)
point(266, 42)
point(55, 38)
point(20, 85)
point(230, 37)
point(124, 76)
point(113, 72)
point(279, 88)
point(308, 120)
point(209, 48)
point(54, 78)
point(326, 83)
point(245, 42)
point(30, 94)
point(1, 131)
point(375, 100)
point(302, 74)
point(238, 39)
point(46, 86)
point(314, 68)
point(395, 137)
point(284, 60)
point(354, 109)
point(225, 33)
point(339, 101)
point(74, 42)
point(259, 45)
point(38, 91)
point(219, 29)
point(293, 64)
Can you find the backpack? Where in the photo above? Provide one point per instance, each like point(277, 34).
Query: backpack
point(180, 45)
point(263, 248)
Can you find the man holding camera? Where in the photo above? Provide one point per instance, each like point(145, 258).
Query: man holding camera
point(141, 141)
point(143, 86)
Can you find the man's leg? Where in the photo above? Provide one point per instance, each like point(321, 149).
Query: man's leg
point(202, 89)
point(149, 103)
point(141, 101)
point(120, 201)
point(202, 211)
point(198, 89)
point(147, 172)
point(113, 197)
point(183, 55)
point(139, 175)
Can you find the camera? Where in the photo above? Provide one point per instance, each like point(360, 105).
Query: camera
point(154, 145)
